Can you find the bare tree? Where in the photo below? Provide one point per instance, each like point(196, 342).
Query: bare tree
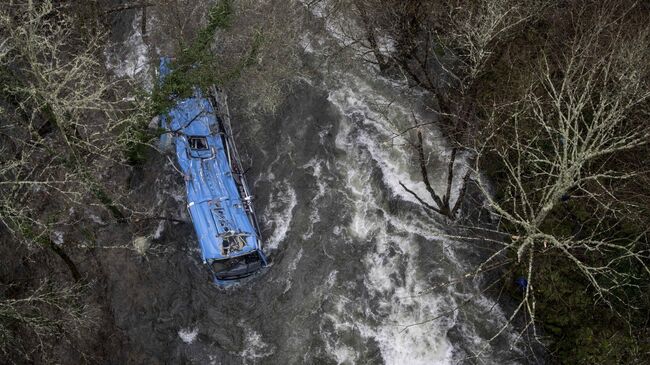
point(582, 107)
point(253, 54)
point(47, 312)
point(476, 31)
point(261, 50)
point(65, 128)
point(442, 47)
point(442, 202)
point(66, 125)
point(565, 144)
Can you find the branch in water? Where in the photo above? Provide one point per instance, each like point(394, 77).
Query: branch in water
point(427, 205)
point(461, 194)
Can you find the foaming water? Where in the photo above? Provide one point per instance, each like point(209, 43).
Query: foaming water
point(392, 284)
point(354, 255)
point(255, 349)
point(397, 288)
point(282, 203)
point(188, 335)
point(132, 59)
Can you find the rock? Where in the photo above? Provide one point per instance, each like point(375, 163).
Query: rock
point(141, 244)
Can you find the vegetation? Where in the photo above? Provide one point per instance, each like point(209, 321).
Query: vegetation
point(550, 102)
point(73, 137)
point(61, 124)
point(547, 102)
point(195, 66)
point(255, 55)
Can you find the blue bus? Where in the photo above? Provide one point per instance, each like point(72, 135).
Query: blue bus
point(218, 198)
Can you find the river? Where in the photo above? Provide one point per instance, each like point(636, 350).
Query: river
point(353, 256)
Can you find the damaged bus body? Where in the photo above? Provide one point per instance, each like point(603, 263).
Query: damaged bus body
point(218, 197)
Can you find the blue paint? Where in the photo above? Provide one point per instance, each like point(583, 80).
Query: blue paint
point(218, 197)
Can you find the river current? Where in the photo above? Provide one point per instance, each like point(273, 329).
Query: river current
point(353, 256)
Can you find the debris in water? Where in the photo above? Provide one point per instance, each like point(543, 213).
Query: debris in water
point(57, 237)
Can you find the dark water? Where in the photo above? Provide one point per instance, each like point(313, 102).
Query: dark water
point(350, 251)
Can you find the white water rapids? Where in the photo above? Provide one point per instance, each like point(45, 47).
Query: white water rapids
point(353, 254)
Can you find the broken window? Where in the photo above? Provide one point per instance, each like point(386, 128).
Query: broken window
point(198, 143)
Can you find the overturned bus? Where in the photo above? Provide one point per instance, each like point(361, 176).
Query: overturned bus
point(218, 198)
